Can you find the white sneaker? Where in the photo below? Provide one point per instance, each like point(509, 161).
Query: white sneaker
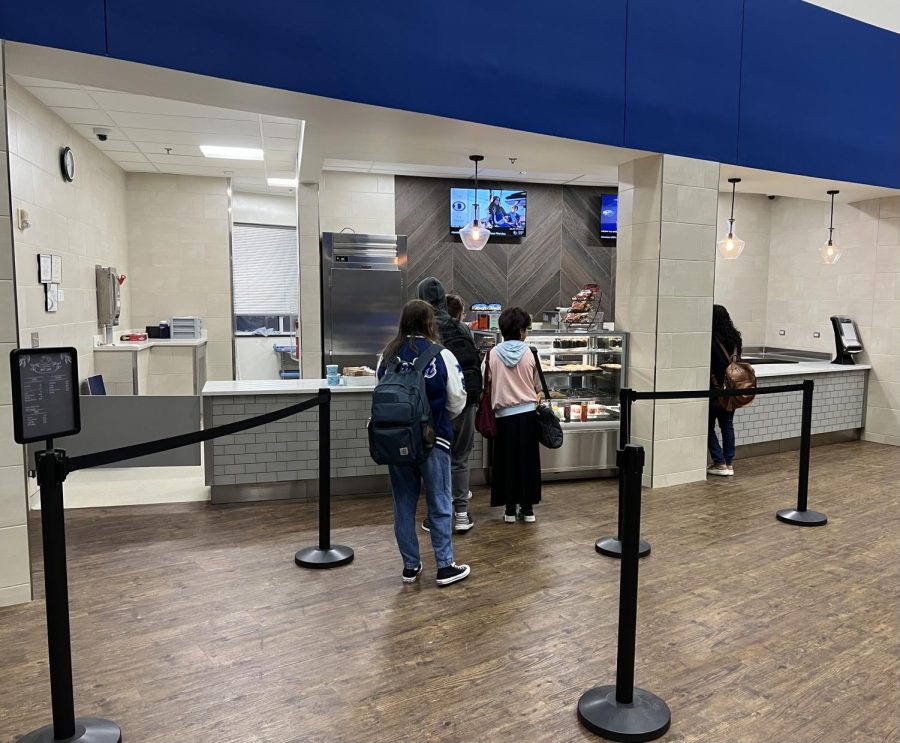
point(720, 470)
point(462, 521)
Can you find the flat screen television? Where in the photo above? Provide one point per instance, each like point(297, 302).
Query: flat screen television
point(609, 216)
point(502, 211)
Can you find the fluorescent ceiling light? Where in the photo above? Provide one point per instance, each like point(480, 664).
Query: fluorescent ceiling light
point(283, 182)
point(231, 153)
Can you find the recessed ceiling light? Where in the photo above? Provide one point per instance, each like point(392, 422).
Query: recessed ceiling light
point(282, 182)
point(231, 153)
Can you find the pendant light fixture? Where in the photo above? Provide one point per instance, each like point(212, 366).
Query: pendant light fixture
point(830, 251)
point(731, 246)
point(475, 235)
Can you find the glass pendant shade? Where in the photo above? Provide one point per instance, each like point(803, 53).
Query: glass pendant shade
point(474, 236)
point(830, 252)
point(731, 246)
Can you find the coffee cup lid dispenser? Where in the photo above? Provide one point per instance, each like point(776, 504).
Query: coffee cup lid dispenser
point(846, 340)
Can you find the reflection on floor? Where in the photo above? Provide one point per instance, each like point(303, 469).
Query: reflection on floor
point(131, 486)
point(191, 622)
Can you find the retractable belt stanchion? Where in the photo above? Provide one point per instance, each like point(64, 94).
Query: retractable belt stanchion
point(326, 554)
point(801, 516)
point(612, 546)
point(622, 712)
point(51, 471)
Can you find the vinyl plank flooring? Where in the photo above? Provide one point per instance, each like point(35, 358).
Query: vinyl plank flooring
point(191, 622)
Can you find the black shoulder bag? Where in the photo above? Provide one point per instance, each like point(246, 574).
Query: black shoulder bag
point(550, 432)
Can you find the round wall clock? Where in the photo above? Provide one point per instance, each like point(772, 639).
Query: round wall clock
point(67, 163)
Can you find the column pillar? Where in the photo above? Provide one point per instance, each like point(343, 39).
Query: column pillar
point(310, 287)
point(665, 275)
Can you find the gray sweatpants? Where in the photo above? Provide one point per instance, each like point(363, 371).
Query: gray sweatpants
point(463, 441)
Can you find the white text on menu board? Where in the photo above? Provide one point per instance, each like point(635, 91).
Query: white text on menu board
point(46, 390)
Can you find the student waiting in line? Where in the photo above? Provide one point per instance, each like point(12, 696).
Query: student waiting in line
point(516, 469)
point(726, 342)
point(458, 338)
point(447, 397)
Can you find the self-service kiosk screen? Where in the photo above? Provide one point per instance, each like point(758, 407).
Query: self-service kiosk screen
point(849, 332)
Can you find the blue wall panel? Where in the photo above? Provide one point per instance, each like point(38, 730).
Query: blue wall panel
point(820, 94)
point(549, 68)
point(681, 77)
point(76, 25)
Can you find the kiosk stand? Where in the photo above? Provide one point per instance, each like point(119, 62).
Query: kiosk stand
point(45, 405)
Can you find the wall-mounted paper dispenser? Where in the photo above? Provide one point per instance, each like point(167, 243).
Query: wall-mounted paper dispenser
point(109, 304)
point(846, 340)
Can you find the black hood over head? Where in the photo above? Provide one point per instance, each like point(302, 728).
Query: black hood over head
point(432, 291)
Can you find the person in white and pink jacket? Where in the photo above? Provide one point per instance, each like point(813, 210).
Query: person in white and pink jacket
point(516, 468)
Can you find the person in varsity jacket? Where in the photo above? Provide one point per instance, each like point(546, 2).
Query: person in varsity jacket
point(447, 397)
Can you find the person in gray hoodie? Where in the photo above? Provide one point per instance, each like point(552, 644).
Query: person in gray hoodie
point(458, 338)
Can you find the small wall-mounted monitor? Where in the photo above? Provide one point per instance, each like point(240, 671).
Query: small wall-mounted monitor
point(502, 211)
point(609, 217)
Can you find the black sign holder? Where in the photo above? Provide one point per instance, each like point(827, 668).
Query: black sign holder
point(45, 404)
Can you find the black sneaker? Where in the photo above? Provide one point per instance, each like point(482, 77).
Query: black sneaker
point(410, 574)
point(509, 517)
point(527, 515)
point(452, 573)
point(426, 525)
point(462, 521)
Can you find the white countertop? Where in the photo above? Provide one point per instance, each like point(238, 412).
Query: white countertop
point(279, 387)
point(151, 343)
point(804, 368)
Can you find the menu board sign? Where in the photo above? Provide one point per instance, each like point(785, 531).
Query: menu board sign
point(45, 393)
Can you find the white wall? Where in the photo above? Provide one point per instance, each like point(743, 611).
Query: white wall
point(742, 284)
point(179, 244)
point(15, 566)
point(363, 202)
point(84, 222)
point(257, 208)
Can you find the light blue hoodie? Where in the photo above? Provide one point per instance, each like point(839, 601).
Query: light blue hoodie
point(511, 352)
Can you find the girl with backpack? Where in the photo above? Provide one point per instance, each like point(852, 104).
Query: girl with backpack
point(418, 337)
point(726, 343)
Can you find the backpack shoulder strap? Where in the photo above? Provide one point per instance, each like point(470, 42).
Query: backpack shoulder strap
point(427, 357)
point(729, 356)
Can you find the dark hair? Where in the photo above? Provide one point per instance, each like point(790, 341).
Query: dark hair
point(513, 320)
point(723, 330)
point(417, 318)
point(455, 306)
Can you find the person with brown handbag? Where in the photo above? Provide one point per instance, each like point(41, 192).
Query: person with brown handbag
point(727, 371)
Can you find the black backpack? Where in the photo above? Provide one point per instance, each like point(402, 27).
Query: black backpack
point(401, 429)
point(458, 342)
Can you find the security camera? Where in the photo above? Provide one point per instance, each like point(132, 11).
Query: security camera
point(771, 197)
point(102, 133)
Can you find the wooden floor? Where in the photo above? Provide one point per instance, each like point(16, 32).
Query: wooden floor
point(191, 623)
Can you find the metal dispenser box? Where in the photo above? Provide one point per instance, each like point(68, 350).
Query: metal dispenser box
point(109, 304)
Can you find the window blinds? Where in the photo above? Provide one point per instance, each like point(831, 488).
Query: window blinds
point(265, 269)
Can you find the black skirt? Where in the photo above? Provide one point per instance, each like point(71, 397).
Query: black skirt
point(516, 463)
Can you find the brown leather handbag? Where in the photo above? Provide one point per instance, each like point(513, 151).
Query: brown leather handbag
point(739, 375)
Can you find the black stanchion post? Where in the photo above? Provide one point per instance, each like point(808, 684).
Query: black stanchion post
point(66, 727)
point(612, 546)
point(622, 712)
point(325, 555)
point(801, 516)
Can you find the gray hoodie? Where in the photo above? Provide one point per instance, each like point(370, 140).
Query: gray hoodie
point(432, 291)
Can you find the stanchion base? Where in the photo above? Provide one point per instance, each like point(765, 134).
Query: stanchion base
point(313, 557)
point(612, 547)
point(801, 518)
point(646, 718)
point(87, 730)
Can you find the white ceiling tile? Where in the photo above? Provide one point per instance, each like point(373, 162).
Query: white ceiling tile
point(279, 120)
point(127, 102)
point(36, 82)
point(362, 166)
point(159, 148)
point(63, 97)
point(86, 131)
point(281, 158)
point(252, 166)
point(208, 171)
point(94, 117)
point(185, 124)
point(115, 145)
point(189, 138)
point(143, 167)
point(275, 144)
point(126, 157)
point(282, 131)
point(281, 173)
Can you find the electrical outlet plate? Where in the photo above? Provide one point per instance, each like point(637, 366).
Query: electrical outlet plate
point(780, 332)
point(817, 334)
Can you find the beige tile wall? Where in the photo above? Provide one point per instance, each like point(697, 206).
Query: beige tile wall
point(364, 202)
point(665, 272)
point(15, 568)
point(742, 284)
point(178, 239)
point(310, 288)
point(83, 221)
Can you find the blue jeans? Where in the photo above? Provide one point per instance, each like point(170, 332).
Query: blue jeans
point(726, 425)
point(406, 482)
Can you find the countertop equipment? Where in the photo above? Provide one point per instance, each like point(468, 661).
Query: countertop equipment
point(109, 303)
point(363, 292)
point(846, 340)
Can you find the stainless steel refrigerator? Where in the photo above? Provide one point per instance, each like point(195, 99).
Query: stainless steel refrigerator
point(363, 292)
